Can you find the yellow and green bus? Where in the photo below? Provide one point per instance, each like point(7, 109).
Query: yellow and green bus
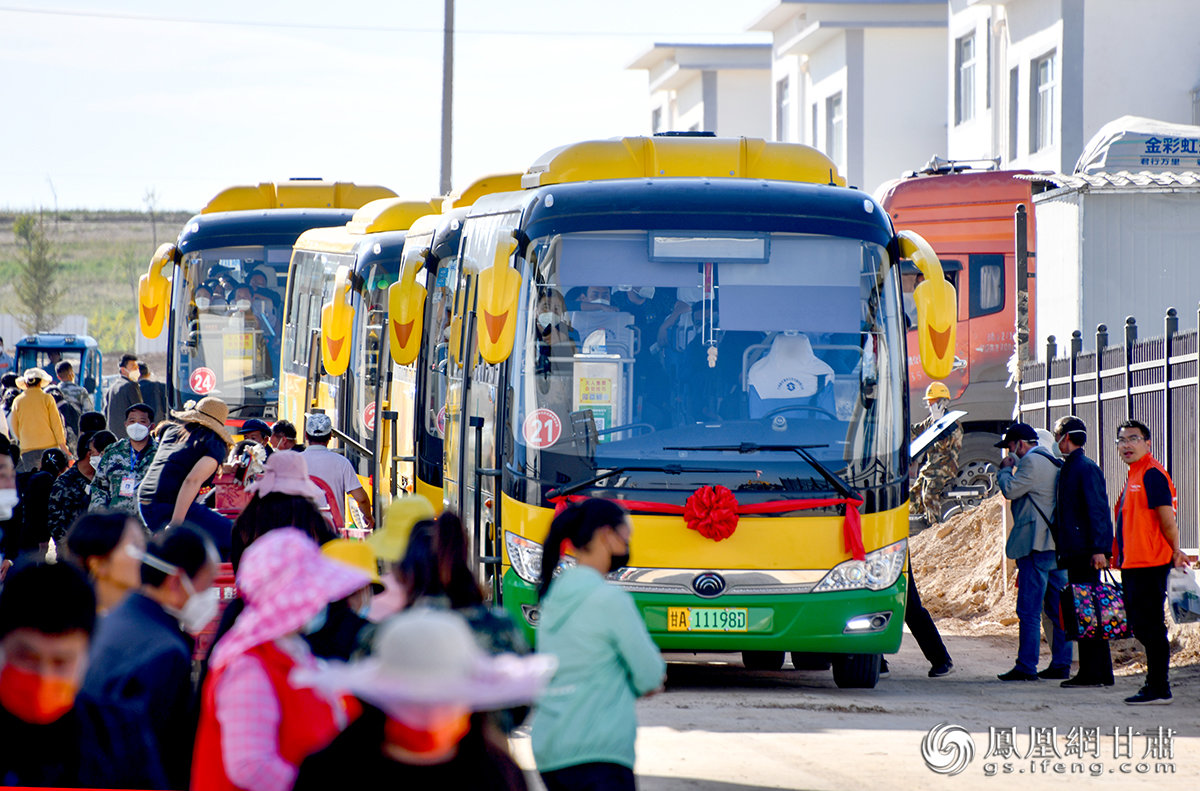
point(333, 356)
point(218, 289)
point(709, 332)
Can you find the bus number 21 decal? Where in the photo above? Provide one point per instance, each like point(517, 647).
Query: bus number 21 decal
point(542, 428)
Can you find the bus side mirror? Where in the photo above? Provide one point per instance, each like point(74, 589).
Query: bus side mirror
point(406, 310)
point(154, 291)
point(337, 318)
point(937, 307)
point(499, 288)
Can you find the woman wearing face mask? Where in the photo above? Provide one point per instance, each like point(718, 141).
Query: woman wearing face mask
point(584, 726)
point(100, 544)
point(435, 572)
point(142, 651)
point(419, 689)
point(255, 725)
point(346, 629)
point(70, 495)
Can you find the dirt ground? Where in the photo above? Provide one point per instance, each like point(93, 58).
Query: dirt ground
point(721, 727)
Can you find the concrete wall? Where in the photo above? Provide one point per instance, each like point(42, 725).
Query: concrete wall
point(744, 98)
point(903, 101)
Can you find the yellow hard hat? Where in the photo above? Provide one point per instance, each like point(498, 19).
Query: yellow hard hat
point(404, 512)
point(357, 555)
point(937, 390)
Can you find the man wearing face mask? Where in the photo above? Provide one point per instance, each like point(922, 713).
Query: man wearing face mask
point(142, 653)
point(124, 393)
point(941, 460)
point(124, 463)
point(51, 734)
point(70, 494)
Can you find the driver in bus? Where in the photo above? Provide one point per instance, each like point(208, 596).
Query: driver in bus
point(266, 301)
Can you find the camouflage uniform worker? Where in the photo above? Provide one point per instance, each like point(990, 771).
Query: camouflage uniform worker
point(124, 464)
point(941, 460)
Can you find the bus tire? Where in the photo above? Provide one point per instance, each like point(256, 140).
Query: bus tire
point(762, 660)
point(856, 671)
point(803, 661)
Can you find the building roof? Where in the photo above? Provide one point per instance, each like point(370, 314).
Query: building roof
point(780, 11)
point(1122, 181)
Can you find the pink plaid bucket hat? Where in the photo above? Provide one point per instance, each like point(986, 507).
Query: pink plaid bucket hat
point(284, 580)
point(286, 472)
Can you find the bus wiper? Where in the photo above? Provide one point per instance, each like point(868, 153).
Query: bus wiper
point(669, 469)
point(838, 483)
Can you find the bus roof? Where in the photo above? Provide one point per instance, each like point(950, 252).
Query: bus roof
point(683, 203)
point(682, 157)
point(296, 194)
point(381, 216)
point(496, 182)
point(243, 228)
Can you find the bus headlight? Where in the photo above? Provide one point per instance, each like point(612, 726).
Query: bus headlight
point(525, 556)
point(880, 570)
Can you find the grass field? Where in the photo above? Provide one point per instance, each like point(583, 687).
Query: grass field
point(105, 253)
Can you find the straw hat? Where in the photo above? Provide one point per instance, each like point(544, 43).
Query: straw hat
point(285, 581)
point(286, 472)
point(355, 554)
point(210, 412)
point(404, 512)
point(429, 657)
point(33, 376)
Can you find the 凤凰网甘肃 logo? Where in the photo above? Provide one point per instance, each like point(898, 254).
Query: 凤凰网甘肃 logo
point(947, 749)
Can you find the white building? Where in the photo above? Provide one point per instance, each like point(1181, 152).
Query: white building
point(721, 88)
point(1030, 81)
point(862, 80)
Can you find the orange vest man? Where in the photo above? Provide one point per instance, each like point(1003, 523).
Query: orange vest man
point(1145, 547)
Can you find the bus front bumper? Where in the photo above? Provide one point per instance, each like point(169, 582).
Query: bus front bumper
point(841, 622)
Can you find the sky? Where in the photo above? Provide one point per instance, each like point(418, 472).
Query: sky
point(107, 105)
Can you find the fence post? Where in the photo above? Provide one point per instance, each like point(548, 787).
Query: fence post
point(1130, 340)
point(1051, 352)
point(1076, 349)
point(1101, 345)
point(1170, 327)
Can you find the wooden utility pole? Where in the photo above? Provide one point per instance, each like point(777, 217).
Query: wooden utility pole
point(447, 93)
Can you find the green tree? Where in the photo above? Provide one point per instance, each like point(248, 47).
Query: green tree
point(39, 271)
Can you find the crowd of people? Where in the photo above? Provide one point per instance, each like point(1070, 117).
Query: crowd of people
point(385, 655)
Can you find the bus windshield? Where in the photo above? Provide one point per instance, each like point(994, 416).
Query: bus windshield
point(719, 352)
point(229, 306)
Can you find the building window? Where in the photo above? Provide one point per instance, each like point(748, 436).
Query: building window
point(1041, 103)
point(656, 120)
point(813, 119)
point(783, 110)
point(964, 79)
point(1014, 91)
point(835, 129)
point(987, 69)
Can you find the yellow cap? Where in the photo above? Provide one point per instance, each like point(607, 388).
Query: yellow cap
point(357, 555)
point(404, 512)
point(937, 390)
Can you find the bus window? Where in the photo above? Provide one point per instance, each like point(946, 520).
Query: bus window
point(799, 348)
point(437, 339)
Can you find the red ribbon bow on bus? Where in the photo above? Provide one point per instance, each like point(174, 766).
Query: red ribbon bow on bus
point(715, 511)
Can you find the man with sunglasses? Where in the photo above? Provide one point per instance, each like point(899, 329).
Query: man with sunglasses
point(1146, 548)
point(1083, 537)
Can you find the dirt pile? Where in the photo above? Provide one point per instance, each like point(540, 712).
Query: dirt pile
point(970, 588)
point(959, 569)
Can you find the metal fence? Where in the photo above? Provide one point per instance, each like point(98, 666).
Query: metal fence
point(1153, 380)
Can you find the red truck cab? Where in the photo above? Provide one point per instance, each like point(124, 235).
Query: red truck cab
point(966, 214)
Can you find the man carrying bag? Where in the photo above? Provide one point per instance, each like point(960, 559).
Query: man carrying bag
point(1028, 477)
point(1083, 537)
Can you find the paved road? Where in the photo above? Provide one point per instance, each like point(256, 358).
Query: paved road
point(721, 727)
